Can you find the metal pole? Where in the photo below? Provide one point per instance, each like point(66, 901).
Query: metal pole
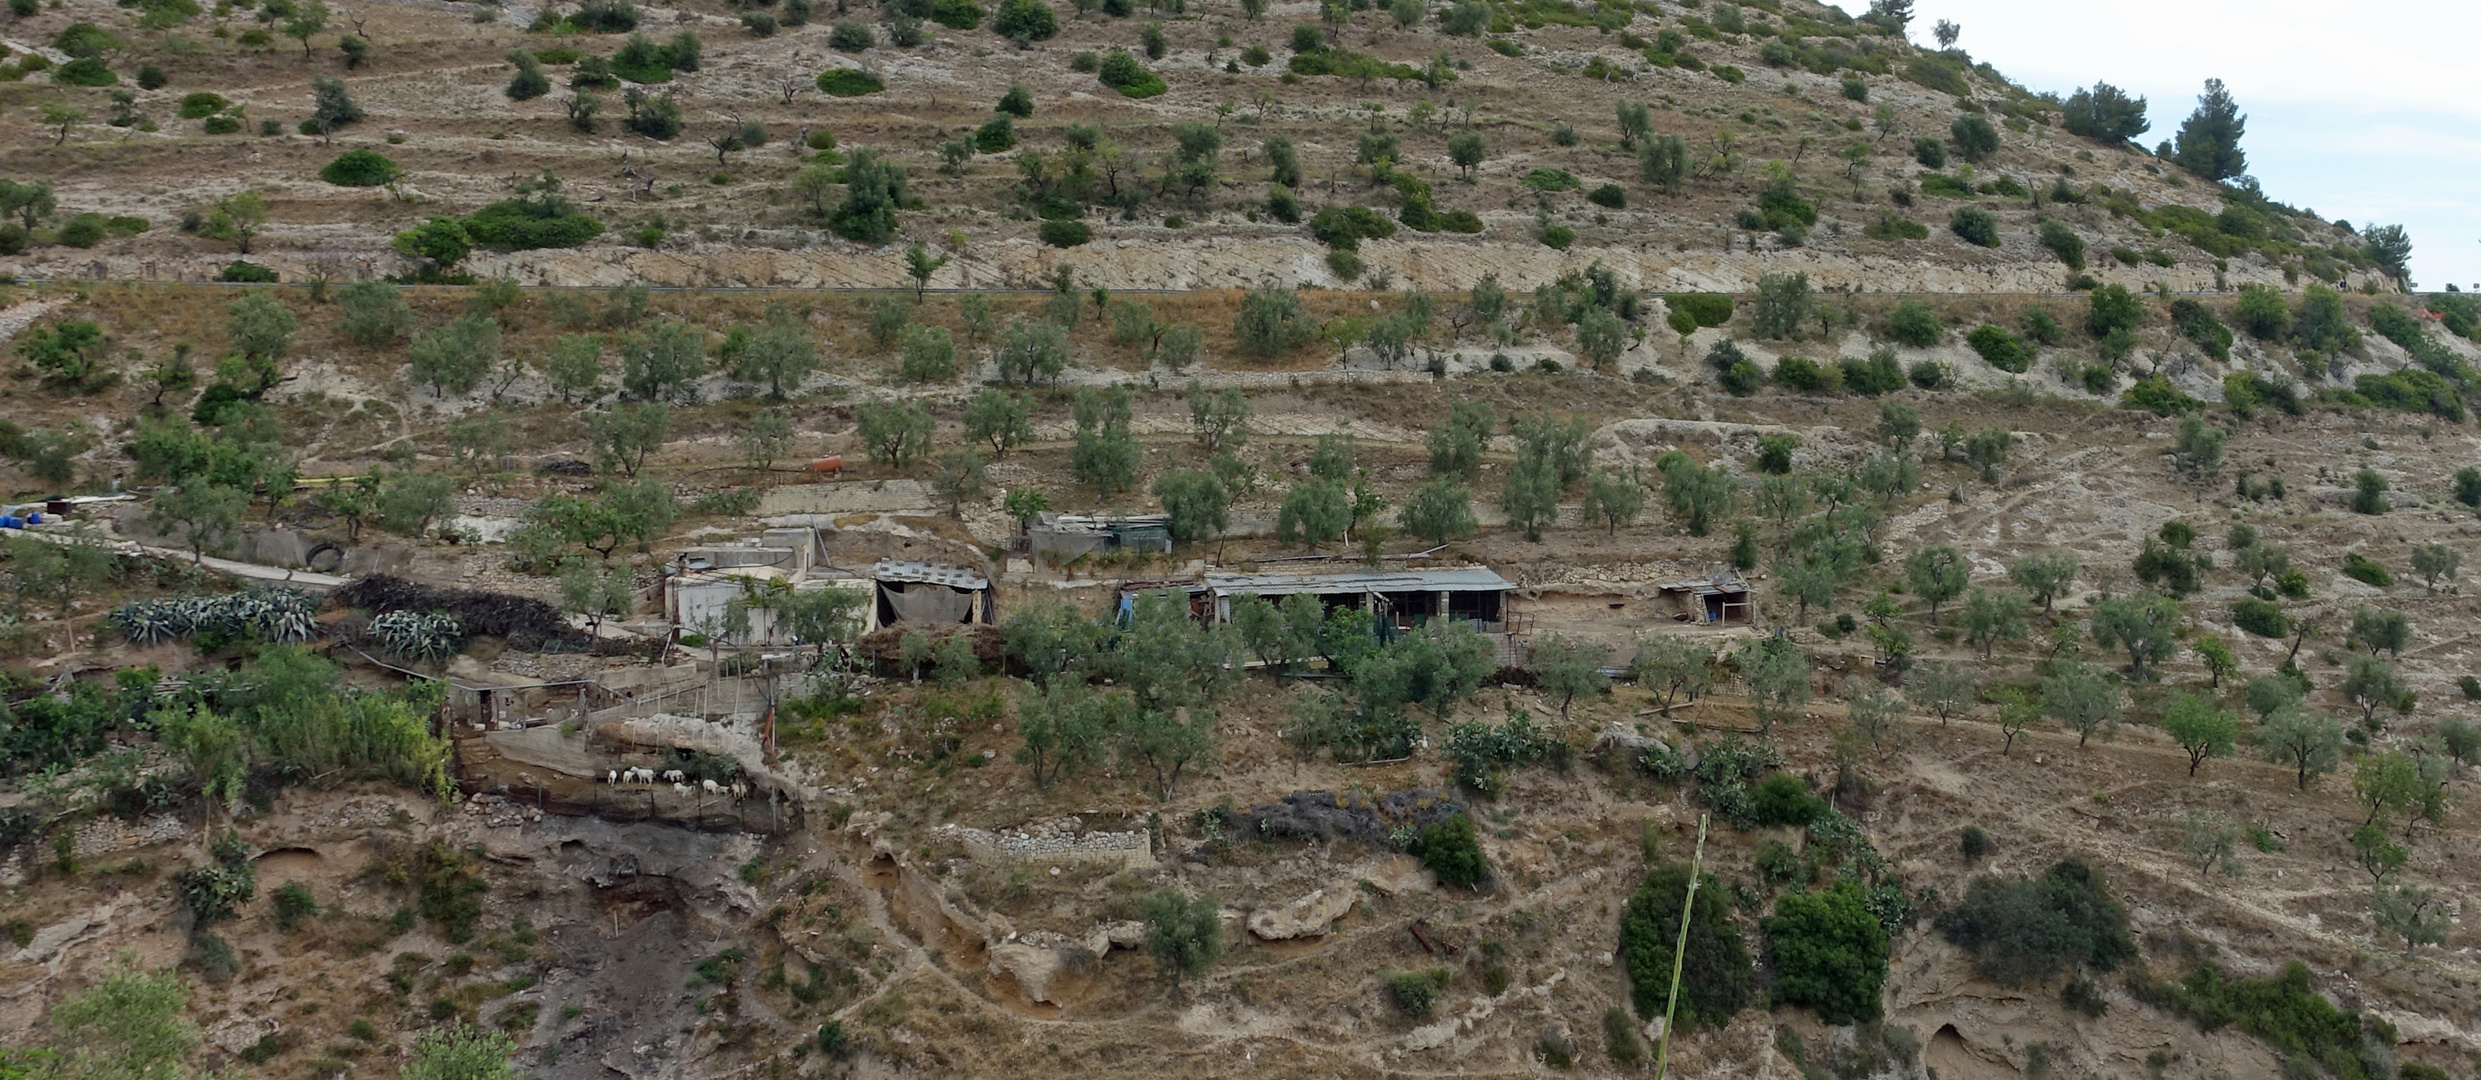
point(1679, 952)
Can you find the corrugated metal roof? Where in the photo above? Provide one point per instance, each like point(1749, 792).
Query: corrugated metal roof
point(954, 577)
point(1457, 579)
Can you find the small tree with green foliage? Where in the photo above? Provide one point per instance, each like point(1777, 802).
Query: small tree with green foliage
point(1829, 953)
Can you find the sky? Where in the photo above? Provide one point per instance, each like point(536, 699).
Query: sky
point(2368, 112)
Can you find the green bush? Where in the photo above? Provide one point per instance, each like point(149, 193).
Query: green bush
point(1121, 71)
point(2260, 617)
point(1415, 993)
point(1709, 309)
point(1025, 20)
point(848, 82)
point(293, 903)
point(2284, 1011)
point(2409, 390)
point(2199, 325)
point(247, 272)
point(1975, 225)
point(996, 134)
point(2003, 350)
point(1799, 373)
point(221, 125)
point(2064, 243)
point(2363, 569)
point(1064, 234)
point(1829, 953)
point(2022, 931)
point(1715, 974)
point(1610, 195)
point(2113, 307)
point(956, 14)
point(361, 168)
point(2155, 394)
point(1930, 152)
point(1453, 851)
point(849, 36)
point(201, 105)
point(85, 71)
point(1783, 800)
point(526, 224)
point(1894, 226)
point(1879, 374)
point(1974, 844)
point(1912, 323)
point(1945, 186)
point(1928, 375)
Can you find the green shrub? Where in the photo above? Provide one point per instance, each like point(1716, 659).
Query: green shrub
point(2022, 931)
point(1930, 152)
point(1783, 800)
point(1928, 375)
point(2284, 1011)
point(2155, 394)
point(1451, 850)
point(1549, 179)
point(1799, 373)
point(1829, 953)
point(527, 224)
point(2199, 325)
point(1121, 71)
point(248, 272)
point(956, 14)
point(201, 105)
point(1945, 186)
point(1893, 226)
point(2003, 350)
point(849, 36)
point(1610, 195)
point(996, 134)
point(361, 168)
point(1912, 323)
point(2064, 243)
point(1064, 234)
point(1975, 225)
point(1025, 20)
point(1974, 844)
point(1879, 374)
point(1715, 973)
point(2363, 569)
point(1415, 993)
point(85, 71)
point(1709, 309)
point(2260, 617)
point(2409, 390)
point(293, 903)
point(848, 82)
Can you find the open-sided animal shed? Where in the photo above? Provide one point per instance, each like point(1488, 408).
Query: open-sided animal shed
point(1720, 597)
point(1474, 594)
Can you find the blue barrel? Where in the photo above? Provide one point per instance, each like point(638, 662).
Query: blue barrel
point(12, 521)
point(34, 517)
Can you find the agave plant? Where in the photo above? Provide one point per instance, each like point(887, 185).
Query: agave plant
point(148, 622)
point(278, 615)
point(418, 635)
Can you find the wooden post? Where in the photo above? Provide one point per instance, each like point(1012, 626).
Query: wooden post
point(1679, 952)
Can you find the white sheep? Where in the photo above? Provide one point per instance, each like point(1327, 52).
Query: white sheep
point(611, 776)
point(644, 776)
point(676, 776)
point(740, 790)
point(679, 788)
point(712, 788)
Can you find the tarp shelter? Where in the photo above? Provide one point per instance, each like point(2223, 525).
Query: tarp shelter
point(928, 593)
point(1060, 539)
point(1408, 598)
